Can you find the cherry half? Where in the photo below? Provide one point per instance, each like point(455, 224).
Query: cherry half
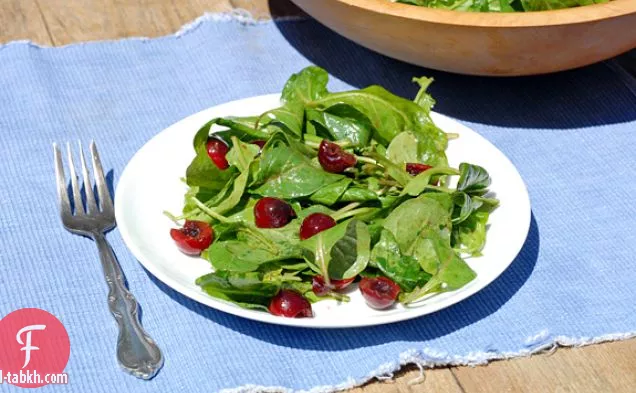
point(379, 292)
point(217, 149)
point(333, 158)
point(319, 287)
point(414, 168)
point(290, 304)
point(272, 213)
point(314, 223)
point(193, 237)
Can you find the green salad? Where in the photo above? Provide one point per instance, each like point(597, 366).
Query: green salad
point(293, 205)
point(501, 5)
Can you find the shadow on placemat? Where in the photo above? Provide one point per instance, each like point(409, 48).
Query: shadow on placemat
point(588, 96)
point(441, 323)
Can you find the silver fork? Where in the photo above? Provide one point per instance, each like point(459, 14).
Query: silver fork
point(137, 353)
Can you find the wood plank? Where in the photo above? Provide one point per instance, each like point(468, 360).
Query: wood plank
point(436, 381)
point(22, 20)
point(609, 367)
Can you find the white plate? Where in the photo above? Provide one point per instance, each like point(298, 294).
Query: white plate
point(151, 184)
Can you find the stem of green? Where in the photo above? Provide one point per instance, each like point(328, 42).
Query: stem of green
point(367, 160)
point(352, 213)
point(172, 217)
point(209, 211)
point(451, 135)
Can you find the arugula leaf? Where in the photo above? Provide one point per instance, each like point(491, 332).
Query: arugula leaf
point(543, 5)
point(422, 98)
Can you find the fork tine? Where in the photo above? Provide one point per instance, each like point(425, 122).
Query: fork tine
point(77, 195)
point(65, 205)
point(102, 189)
point(91, 204)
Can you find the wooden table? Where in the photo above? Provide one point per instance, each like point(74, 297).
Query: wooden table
point(609, 367)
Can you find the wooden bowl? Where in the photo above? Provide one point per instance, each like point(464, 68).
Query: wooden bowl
point(501, 44)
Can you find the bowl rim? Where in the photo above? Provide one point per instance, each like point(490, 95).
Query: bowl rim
point(583, 14)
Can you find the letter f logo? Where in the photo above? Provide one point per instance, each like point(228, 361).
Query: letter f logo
point(28, 347)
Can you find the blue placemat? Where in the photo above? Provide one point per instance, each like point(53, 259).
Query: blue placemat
point(571, 135)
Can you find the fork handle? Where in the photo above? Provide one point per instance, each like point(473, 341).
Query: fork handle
point(137, 353)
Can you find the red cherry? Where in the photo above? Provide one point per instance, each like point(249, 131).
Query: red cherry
point(272, 213)
point(260, 143)
point(415, 169)
point(320, 289)
point(333, 159)
point(379, 292)
point(193, 237)
point(290, 304)
point(314, 223)
point(217, 149)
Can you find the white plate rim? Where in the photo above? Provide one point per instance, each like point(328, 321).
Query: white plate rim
point(126, 180)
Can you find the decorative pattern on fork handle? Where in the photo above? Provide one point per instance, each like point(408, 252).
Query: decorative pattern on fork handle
point(137, 353)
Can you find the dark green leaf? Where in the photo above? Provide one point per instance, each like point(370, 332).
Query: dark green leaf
point(244, 288)
point(472, 178)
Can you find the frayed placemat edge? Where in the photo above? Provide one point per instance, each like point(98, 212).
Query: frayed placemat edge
point(541, 342)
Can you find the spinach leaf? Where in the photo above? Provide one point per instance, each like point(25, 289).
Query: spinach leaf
point(285, 173)
point(237, 256)
point(389, 114)
point(331, 193)
point(242, 127)
point(340, 252)
point(289, 118)
point(246, 289)
point(403, 269)
point(345, 122)
point(449, 271)
point(470, 235)
point(202, 172)
point(472, 178)
point(358, 194)
point(242, 154)
point(403, 148)
point(308, 85)
point(407, 220)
